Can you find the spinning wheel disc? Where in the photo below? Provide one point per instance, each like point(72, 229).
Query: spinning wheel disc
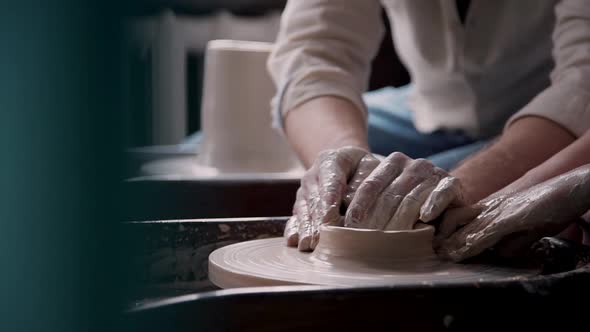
point(269, 262)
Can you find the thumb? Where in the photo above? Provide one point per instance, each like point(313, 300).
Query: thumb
point(448, 191)
point(455, 218)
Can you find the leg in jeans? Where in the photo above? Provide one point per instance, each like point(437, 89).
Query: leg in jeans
point(391, 129)
point(450, 159)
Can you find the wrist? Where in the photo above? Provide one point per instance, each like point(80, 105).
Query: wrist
point(487, 172)
point(322, 124)
point(351, 142)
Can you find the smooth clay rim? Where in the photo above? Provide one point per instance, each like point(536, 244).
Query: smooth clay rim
point(337, 243)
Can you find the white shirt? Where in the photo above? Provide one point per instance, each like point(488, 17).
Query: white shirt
point(529, 57)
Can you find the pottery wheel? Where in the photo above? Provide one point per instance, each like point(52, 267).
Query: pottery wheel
point(269, 262)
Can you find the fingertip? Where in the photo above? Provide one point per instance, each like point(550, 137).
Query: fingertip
point(291, 242)
point(304, 243)
point(346, 221)
point(332, 218)
point(436, 205)
point(426, 214)
point(461, 254)
point(446, 253)
point(353, 215)
point(455, 257)
point(428, 207)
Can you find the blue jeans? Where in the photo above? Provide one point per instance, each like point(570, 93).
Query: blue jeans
point(391, 128)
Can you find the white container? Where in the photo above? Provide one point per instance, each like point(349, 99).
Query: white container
point(235, 113)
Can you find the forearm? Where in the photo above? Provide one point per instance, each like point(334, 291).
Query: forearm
point(573, 156)
point(566, 100)
point(324, 48)
point(524, 145)
point(324, 123)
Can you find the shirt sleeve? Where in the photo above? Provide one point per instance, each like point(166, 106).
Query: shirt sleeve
point(567, 100)
point(324, 48)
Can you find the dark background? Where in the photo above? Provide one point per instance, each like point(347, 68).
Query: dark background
point(387, 70)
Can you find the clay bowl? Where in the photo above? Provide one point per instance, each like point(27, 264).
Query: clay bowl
point(342, 244)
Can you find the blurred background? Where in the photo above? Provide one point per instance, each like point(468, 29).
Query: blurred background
point(88, 91)
point(163, 71)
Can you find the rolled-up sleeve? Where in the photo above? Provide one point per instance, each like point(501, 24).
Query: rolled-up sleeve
point(567, 100)
point(324, 48)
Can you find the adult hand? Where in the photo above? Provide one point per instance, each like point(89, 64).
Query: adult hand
point(516, 219)
point(400, 192)
point(327, 186)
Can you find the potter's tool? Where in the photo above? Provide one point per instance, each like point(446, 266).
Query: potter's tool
point(346, 257)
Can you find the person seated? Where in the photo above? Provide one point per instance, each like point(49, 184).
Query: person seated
point(498, 88)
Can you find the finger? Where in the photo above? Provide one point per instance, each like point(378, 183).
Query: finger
point(447, 191)
point(464, 247)
point(409, 209)
point(336, 167)
point(455, 218)
point(313, 203)
point(305, 212)
point(380, 213)
point(390, 199)
point(371, 188)
point(365, 167)
point(498, 228)
point(305, 233)
point(291, 232)
point(480, 234)
point(454, 247)
point(415, 173)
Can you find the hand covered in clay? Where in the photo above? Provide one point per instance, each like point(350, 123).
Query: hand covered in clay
point(328, 185)
point(400, 192)
point(515, 220)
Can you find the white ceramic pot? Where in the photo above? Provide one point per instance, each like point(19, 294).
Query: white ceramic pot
point(235, 113)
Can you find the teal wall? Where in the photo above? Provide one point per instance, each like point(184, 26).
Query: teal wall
point(62, 261)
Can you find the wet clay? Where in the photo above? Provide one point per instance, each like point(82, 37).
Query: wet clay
point(345, 257)
point(368, 245)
